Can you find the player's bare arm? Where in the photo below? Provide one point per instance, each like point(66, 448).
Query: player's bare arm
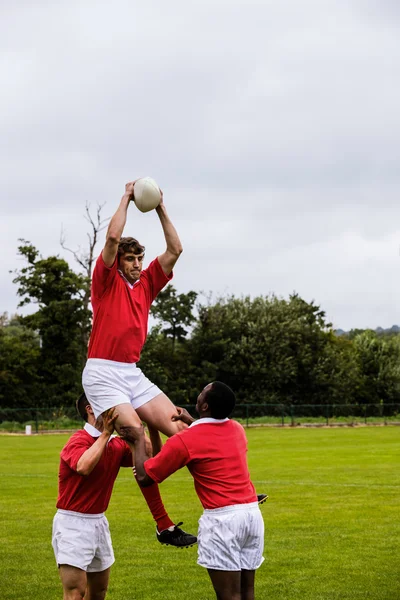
point(116, 226)
point(136, 436)
point(91, 457)
point(174, 247)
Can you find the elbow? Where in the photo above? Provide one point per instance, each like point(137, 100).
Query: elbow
point(141, 479)
point(177, 251)
point(82, 470)
point(144, 480)
point(113, 238)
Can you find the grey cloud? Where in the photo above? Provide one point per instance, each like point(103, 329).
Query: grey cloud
point(270, 125)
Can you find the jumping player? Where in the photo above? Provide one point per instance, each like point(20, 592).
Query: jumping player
point(121, 296)
point(231, 529)
point(89, 465)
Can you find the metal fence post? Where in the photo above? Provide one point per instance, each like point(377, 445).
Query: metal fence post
point(37, 421)
point(292, 414)
point(247, 415)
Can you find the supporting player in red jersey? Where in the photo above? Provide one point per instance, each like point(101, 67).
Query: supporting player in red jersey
point(122, 294)
point(89, 465)
point(231, 529)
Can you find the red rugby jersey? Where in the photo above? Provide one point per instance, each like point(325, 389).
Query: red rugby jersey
point(215, 454)
point(121, 311)
point(90, 494)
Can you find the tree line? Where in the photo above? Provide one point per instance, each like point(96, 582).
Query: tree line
point(268, 349)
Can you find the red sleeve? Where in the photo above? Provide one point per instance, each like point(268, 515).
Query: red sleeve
point(173, 456)
point(102, 276)
point(74, 449)
point(154, 279)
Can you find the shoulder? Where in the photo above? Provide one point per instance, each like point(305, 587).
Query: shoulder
point(101, 269)
point(178, 441)
point(155, 271)
point(235, 426)
point(79, 439)
point(153, 268)
point(79, 436)
point(188, 437)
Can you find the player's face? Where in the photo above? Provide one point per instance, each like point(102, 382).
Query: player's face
point(131, 265)
point(202, 397)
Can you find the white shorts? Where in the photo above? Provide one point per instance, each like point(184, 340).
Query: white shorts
point(82, 541)
point(231, 538)
point(108, 383)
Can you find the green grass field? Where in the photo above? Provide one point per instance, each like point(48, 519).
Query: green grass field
point(332, 520)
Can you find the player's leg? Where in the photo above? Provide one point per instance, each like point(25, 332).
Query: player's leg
point(155, 440)
point(72, 541)
point(247, 585)
point(128, 416)
point(158, 413)
point(106, 387)
point(226, 584)
point(219, 551)
point(167, 532)
point(152, 405)
point(97, 585)
point(74, 582)
point(111, 385)
point(251, 528)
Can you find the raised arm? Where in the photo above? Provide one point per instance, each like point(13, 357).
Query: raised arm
point(174, 246)
point(116, 227)
point(92, 455)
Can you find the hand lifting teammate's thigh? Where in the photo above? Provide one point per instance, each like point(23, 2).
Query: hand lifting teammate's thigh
point(158, 413)
point(127, 416)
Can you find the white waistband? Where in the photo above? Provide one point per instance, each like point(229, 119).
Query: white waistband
point(111, 363)
point(71, 513)
point(232, 508)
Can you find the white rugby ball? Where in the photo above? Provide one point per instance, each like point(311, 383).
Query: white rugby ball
point(146, 194)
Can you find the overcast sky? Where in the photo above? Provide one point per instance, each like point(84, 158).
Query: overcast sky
point(272, 127)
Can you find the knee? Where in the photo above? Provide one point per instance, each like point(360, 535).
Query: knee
point(178, 426)
point(74, 593)
point(100, 595)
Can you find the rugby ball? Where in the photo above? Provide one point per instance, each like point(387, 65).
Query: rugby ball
point(146, 194)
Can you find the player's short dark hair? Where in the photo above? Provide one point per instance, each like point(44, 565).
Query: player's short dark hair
point(221, 400)
point(81, 405)
point(130, 244)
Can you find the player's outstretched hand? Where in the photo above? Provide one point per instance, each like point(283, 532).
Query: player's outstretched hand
point(129, 191)
point(182, 415)
point(109, 420)
point(131, 434)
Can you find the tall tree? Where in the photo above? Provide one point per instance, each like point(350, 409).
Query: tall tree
point(175, 311)
point(20, 384)
point(59, 293)
point(379, 362)
point(270, 349)
point(166, 356)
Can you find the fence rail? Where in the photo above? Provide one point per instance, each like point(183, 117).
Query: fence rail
point(40, 420)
